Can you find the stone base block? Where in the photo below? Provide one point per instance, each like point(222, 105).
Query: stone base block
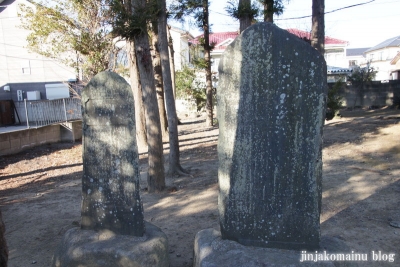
point(87, 248)
point(211, 251)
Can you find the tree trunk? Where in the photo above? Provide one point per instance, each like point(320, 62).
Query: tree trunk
point(318, 25)
point(155, 176)
point(137, 95)
point(171, 60)
point(245, 19)
point(207, 58)
point(268, 11)
point(158, 78)
point(174, 155)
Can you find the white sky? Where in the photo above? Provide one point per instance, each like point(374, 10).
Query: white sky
point(363, 26)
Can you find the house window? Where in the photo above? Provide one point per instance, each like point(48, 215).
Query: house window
point(25, 66)
point(371, 57)
point(380, 56)
point(352, 63)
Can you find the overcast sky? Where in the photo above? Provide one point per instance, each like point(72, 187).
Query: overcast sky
point(363, 26)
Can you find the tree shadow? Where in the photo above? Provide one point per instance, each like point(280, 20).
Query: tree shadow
point(34, 152)
point(37, 215)
point(364, 225)
point(181, 216)
point(353, 130)
point(39, 171)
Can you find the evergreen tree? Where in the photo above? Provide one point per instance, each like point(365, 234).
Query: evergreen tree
point(271, 8)
point(174, 155)
point(131, 20)
point(244, 11)
point(199, 9)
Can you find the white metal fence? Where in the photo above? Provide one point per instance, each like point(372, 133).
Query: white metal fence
point(45, 112)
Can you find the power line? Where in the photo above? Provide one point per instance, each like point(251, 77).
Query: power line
point(12, 45)
point(27, 58)
point(308, 16)
point(220, 13)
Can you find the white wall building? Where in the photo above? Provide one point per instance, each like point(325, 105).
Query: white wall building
point(380, 58)
point(180, 42)
point(335, 49)
point(17, 64)
point(355, 56)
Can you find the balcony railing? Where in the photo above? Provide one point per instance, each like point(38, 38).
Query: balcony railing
point(46, 112)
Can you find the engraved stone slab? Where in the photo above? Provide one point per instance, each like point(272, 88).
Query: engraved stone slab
point(271, 105)
point(110, 183)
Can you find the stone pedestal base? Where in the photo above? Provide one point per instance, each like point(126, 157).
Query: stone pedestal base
point(211, 251)
point(87, 248)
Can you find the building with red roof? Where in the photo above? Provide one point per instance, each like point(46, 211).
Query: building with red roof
point(335, 49)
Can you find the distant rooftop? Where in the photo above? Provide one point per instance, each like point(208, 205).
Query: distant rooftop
point(392, 42)
point(352, 52)
point(307, 35)
point(181, 31)
point(219, 38)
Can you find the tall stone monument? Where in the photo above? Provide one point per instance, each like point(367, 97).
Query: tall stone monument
point(113, 231)
point(110, 183)
point(271, 104)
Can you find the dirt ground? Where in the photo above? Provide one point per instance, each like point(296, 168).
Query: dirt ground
point(40, 190)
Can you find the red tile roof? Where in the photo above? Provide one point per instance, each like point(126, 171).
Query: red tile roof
point(304, 34)
point(219, 37)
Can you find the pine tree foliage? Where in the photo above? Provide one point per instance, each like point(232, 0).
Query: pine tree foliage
point(131, 19)
point(271, 8)
point(240, 10)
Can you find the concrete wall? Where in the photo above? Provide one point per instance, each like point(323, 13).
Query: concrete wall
point(375, 94)
point(71, 131)
point(14, 142)
point(17, 141)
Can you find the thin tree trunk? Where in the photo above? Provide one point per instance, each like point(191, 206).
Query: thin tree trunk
point(155, 176)
point(207, 58)
point(318, 25)
point(137, 95)
point(269, 11)
point(171, 59)
point(174, 155)
point(172, 64)
point(158, 78)
point(245, 19)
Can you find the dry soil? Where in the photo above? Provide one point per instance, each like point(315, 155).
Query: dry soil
point(40, 190)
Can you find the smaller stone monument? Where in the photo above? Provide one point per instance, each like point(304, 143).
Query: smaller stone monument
point(271, 105)
point(113, 231)
point(3, 244)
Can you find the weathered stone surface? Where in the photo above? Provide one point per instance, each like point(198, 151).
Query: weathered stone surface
point(110, 183)
point(3, 243)
point(87, 248)
point(271, 105)
point(210, 250)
